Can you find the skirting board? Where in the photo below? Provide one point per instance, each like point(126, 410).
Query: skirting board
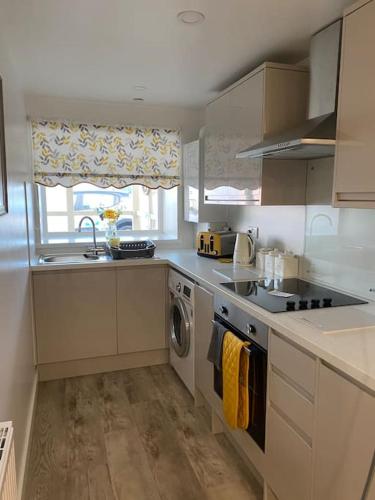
point(246, 447)
point(243, 453)
point(249, 451)
point(22, 475)
point(78, 367)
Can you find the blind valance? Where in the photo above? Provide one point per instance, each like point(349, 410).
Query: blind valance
point(68, 153)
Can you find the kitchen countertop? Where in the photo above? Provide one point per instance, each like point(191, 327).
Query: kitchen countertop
point(350, 352)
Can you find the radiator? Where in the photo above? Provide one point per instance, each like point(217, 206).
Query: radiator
point(8, 485)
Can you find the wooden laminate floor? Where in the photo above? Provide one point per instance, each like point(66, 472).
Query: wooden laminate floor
point(130, 435)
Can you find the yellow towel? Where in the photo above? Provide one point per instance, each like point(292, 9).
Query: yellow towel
point(235, 381)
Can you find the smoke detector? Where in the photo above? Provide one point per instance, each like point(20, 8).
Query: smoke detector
point(191, 17)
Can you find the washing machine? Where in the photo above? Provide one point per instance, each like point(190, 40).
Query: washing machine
point(181, 327)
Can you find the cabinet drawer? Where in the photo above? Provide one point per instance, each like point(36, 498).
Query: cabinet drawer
point(288, 460)
point(295, 406)
point(295, 364)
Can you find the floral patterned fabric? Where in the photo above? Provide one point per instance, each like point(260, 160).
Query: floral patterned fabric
point(68, 153)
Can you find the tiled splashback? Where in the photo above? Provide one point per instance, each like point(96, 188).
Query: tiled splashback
point(337, 245)
point(281, 227)
point(340, 248)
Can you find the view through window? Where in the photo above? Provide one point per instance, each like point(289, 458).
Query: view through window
point(141, 208)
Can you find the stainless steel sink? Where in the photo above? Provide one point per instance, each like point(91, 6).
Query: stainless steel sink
point(70, 258)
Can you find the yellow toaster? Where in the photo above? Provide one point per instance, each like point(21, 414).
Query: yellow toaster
point(216, 244)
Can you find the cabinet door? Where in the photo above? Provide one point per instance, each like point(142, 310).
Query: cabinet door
point(345, 442)
point(354, 182)
point(234, 121)
point(371, 488)
point(141, 309)
point(204, 313)
point(288, 460)
point(75, 314)
point(190, 165)
point(195, 209)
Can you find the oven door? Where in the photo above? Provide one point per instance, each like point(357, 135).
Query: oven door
point(257, 386)
point(179, 327)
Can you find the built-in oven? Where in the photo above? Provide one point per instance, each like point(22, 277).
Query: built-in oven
point(250, 329)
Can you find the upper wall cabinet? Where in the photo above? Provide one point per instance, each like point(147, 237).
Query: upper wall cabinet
point(271, 99)
point(354, 179)
point(194, 208)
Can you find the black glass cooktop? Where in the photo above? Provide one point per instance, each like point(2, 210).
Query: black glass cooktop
point(290, 294)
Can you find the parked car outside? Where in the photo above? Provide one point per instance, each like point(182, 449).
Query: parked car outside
point(91, 200)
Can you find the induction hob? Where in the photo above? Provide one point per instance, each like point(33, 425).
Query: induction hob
point(290, 294)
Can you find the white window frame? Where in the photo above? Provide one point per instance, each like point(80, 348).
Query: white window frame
point(44, 239)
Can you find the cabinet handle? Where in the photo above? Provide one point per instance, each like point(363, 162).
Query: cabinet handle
point(370, 477)
point(212, 198)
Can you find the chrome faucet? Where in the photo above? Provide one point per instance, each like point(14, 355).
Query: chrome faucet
point(95, 249)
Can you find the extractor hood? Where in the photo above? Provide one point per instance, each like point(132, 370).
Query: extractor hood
point(316, 137)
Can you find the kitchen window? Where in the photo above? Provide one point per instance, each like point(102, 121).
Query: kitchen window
point(144, 212)
point(82, 169)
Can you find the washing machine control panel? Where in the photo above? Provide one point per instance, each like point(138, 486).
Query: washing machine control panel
point(180, 286)
point(187, 292)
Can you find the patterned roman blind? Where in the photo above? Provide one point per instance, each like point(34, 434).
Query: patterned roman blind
point(68, 153)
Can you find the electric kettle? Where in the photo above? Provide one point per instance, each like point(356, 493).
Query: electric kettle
point(244, 249)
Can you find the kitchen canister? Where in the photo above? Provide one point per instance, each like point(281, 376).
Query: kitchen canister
point(260, 262)
point(269, 260)
point(286, 265)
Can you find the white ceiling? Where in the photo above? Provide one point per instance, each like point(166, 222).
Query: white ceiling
point(101, 49)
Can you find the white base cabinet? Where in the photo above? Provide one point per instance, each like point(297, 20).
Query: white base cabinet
point(204, 373)
point(75, 314)
point(91, 313)
point(290, 414)
point(141, 309)
point(320, 441)
point(289, 460)
point(345, 439)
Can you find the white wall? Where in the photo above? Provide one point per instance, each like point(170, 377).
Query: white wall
point(189, 120)
point(17, 374)
point(281, 226)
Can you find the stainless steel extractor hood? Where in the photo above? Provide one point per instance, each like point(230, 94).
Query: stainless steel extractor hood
point(316, 137)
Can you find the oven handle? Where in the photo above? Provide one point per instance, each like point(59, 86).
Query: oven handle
point(246, 349)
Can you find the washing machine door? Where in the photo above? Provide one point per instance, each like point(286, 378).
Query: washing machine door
point(179, 329)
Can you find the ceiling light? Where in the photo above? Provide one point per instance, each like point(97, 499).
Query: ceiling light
point(138, 99)
point(191, 17)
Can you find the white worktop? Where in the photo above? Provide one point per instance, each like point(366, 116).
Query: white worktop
point(352, 352)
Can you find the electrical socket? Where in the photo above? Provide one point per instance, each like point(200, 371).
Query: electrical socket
point(253, 232)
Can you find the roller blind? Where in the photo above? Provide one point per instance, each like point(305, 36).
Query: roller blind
point(67, 153)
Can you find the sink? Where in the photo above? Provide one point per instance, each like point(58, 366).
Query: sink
point(70, 258)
